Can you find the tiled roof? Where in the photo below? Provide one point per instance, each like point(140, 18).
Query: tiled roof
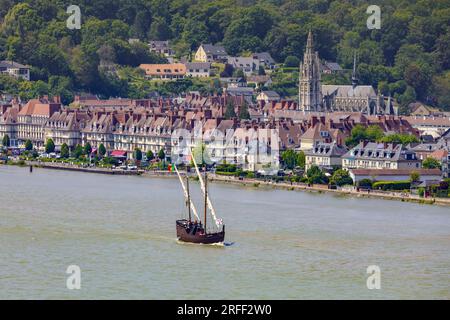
point(395, 172)
point(164, 69)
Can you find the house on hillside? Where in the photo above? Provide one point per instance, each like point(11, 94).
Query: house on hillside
point(169, 71)
point(211, 53)
point(161, 47)
point(268, 96)
point(327, 67)
point(247, 64)
point(15, 69)
point(265, 59)
point(198, 69)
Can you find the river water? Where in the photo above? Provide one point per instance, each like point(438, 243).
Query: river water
point(120, 231)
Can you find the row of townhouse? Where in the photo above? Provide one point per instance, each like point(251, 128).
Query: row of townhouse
point(375, 159)
point(366, 155)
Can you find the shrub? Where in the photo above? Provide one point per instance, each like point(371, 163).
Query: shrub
point(421, 192)
point(391, 185)
point(365, 183)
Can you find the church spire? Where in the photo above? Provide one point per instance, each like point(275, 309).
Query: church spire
point(309, 42)
point(354, 78)
point(310, 90)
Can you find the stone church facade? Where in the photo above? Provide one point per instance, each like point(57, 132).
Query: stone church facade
point(315, 97)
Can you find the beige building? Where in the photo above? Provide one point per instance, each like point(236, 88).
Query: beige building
point(31, 121)
point(65, 127)
point(372, 155)
point(168, 71)
point(325, 156)
point(211, 53)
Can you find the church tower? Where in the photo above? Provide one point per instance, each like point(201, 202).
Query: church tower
point(310, 90)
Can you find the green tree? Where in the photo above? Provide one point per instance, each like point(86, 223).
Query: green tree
point(316, 176)
point(229, 111)
point(87, 149)
point(400, 138)
point(64, 151)
point(374, 133)
point(28, 145)
point(6, 141)
point(102, 150)
point(50, 146)
point(414, 176)
point(138, 154)
point(243, 112)
point(77, 152)
point(431, 163)
point(341, 177)
point(159, 29)
point(290, 158)
point(301, 159)
point(150, 155)
point(291, 62)
point(161, 154)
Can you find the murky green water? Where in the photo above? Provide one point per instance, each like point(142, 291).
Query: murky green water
point(286, 244)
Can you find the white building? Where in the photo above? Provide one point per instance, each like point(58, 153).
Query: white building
point(15, 69)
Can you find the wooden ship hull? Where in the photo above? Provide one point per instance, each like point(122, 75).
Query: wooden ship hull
point(189, 232)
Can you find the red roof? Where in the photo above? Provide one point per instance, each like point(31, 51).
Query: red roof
point(118, 153)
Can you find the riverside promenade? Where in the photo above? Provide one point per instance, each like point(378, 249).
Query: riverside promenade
point(254, 183)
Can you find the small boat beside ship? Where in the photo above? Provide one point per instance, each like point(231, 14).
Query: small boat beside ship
point(193, 229)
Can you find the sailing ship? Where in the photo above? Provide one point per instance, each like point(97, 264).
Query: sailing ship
point(194, 229)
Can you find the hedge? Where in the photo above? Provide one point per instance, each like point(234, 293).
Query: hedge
point(391, 185)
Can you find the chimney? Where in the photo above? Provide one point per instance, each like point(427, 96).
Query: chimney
point(314, 121)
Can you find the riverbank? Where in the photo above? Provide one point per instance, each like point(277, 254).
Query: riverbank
point(324, 188)
point(69, 167)
point(254, 183)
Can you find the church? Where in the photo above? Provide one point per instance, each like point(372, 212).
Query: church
point(316, 97)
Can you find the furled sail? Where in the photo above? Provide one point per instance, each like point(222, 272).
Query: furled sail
point(218, 222)
point(186, 196)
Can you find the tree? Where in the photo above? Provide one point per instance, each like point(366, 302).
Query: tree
point(49, 146)
point(150, 155)
point(64, 151)
point(243, 112)
point(161, 154)
point(102, 150)
point(301, 159)
point(400, 138)
point(87, 149)
point(341, 177)
point(289, 158)
point(431, 163)
point(374, 133)
point(138, 154)
point(291, 62)
point(78, 151)
point(6, 141)
point(229, 111)
point(28, 145)
point(315, 175)
point(159, 30)
point(414, 176)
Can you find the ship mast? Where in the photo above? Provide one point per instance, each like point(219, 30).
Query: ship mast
point(186, 194)
point(202, 185)
point(206, 198)
point(188, 198)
